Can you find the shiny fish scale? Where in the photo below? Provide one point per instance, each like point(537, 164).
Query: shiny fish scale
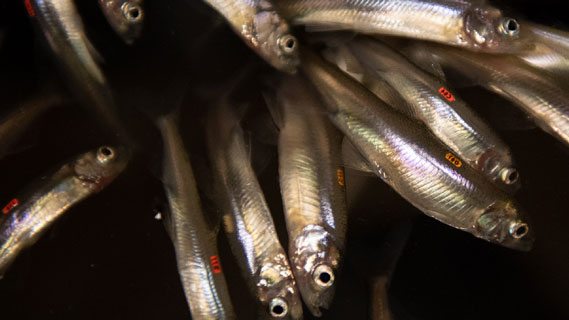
point(250, 228)
point(429, 20)
point(194, 241)
point(408, 158)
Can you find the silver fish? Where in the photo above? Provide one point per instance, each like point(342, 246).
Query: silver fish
point(416, 165)
point(528, 88)
point(194, 241)
point(17, 122)
point(126, 17)
point(248, 222)
point(551, 49)
point(474, 26)
point(262, 29)
point(313, 191)
point(446, 115)
point(27, 217)
point(62, 27)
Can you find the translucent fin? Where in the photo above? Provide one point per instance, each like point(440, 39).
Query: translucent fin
point(274, 108)
point(353, 158)
point(426, 62)
point(93, 51)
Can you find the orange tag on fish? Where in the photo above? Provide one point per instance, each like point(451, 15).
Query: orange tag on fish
point(10, 206)
point(445, 93)
point(30, 9)
point(454, 160)
point(216, 266)
point(340, 173)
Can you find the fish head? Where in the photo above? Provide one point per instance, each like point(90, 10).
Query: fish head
point(507, 227)
point(315, 259)
point(126, 17)
point(102, 166)
point(277, 290)
point(486, 29)
point(275, 43)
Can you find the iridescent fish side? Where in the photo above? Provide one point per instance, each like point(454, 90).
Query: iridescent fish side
point(446, 115)
point(195, 242)
point(248, 222)
point(24, 220)
point(417, 166)
point(459, 23)
point(262, 28)
point(126, 17)
point(313, 191)
point(551, 50)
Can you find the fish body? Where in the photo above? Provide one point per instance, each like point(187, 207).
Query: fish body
point(24, 220)
point(195, 242)
point(528, 88)
point(475, 26)
point(262, 28)
point(551, 49)
point(417, 166)
point(313, 191)
point(447, 116)
point(248, 222)
point(126, 17)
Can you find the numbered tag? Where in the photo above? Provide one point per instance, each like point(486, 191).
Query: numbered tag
point(445, 93)
point(454, 160)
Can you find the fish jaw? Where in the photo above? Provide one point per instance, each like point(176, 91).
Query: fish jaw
point(507, 228)
point(315, 259)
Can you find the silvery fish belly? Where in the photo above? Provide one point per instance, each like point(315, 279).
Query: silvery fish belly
point(25, 218)
point(248, 222)
point(458, 23)
point(313, 191)
point(530, 89)
point(195, 242)
point(447, 116)
point(416, 165)
point(263, 29)
point(551, 51)
point(126, 17)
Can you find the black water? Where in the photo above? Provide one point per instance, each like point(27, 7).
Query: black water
point(109, 258)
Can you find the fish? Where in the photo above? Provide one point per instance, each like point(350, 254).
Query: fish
point(262, 28)
point(18, 121)
point(247, 220)
point(194, 240)
point(126, 17)
point(471, 25)
point(446, 115)
point(62, 27)
point(421, 169)
point(27, 216)
point(528, 88)
point(313, 191)
point(551, 50)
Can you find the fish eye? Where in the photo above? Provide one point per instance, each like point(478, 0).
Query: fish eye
point(132, 12)
point(509, 175)
point(323, 276)
point(510, 27)
point(287, 43)
point(278, 308)
point(518, 229)
point(105, 154)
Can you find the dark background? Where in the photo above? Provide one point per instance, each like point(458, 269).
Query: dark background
point(109, 258)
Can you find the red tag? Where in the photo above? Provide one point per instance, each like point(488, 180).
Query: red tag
point(10, 206)
point(30, 9)
point(215, 264)
point(445, 93)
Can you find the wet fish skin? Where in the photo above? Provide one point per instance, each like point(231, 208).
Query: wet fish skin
point(532, 90)
point(30, 214)
point(312, 186)
point(263, 29)
point(195, 242)
point(406, 157)
point(248, 222)
point(448, 117)
point(126, 17)
point(551, 51)
point(475, 26)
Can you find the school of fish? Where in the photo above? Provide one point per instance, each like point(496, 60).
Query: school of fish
point(355, 84)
